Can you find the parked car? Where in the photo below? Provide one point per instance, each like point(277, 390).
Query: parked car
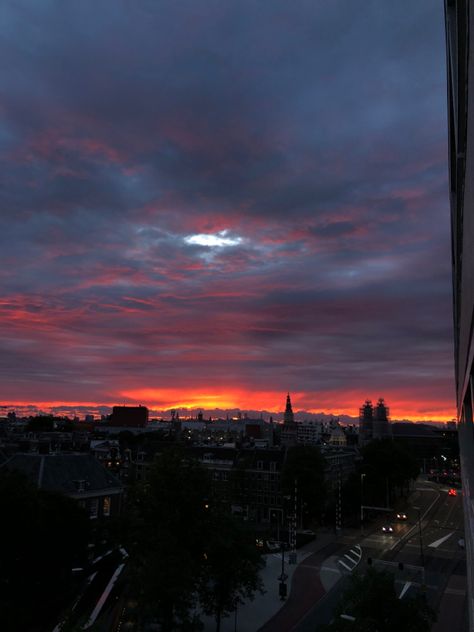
point(273, 545)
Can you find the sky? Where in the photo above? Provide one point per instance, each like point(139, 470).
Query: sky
point(209, 204)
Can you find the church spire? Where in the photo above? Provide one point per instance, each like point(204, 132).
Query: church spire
point(288, 418)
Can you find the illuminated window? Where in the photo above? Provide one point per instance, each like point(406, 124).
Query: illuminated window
point(106, 506)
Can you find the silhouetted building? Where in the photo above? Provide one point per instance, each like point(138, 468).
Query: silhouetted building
point(460, 78)
point(381, 424)
point(366, 422)
point(374, 423)
point(289, 429)
point(289, 417)
point(79, 476)
point(132, 416)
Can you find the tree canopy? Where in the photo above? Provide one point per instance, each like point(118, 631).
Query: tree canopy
point(45, 536)
point(230, 572)
point(387, 466)
point(371, 600)
point(188, 551)
point(306, 465)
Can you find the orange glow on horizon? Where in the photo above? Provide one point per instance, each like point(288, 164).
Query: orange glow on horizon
point(329, 403)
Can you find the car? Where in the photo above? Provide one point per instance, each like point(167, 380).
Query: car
point(401, 516)
point(273, 545)
point(387, 528)
point(452, 492)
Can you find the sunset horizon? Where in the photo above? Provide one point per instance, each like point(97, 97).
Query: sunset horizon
point(270, 403)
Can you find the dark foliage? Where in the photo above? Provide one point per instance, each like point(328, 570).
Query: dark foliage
point(44, 537)
point(182, 545)
point(306, 465)
point(372, 600)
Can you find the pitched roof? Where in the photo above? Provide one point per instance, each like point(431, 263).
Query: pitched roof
point(60, 472)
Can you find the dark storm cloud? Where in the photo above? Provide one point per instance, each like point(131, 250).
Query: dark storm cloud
point(310, 135)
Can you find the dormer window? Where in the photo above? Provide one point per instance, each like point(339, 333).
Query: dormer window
point(80, 485)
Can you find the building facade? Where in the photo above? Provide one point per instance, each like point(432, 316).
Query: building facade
point(460, 78)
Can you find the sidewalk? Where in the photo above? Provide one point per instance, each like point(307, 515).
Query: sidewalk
point(254, 615)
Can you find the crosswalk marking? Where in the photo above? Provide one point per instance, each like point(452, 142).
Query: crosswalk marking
point(404, 589)
point(437, 543)
point(345, 565)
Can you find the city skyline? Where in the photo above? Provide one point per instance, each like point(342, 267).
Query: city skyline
point(209, 206)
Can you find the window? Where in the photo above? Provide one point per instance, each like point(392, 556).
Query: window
point(106, 506)
point(93, 508)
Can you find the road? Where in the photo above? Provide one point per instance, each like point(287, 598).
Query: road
point(319, 579)
point(443, 573)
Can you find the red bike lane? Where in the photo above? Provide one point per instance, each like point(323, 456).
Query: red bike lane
point(306, 591)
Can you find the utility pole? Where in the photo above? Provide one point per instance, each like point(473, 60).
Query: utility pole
point(422, 555)
point(339, 501)
point(293, 525)
point(362, 476)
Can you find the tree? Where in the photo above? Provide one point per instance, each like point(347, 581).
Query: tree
point(388, 466)
point(45, 535)
point(372, 601)
point(168, 538)
point(231, 567)
point(186, 550)
point(306, 465)
point(41, 423)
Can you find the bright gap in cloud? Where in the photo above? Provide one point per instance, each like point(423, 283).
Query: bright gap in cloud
point(219, 239)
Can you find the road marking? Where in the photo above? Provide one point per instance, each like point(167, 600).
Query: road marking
point(358, 553)
point(330, 568)
point(351, 559)
point(404, 589)
point(345, 565)
point(103, 598)
point(434, 545)
point(454, 591)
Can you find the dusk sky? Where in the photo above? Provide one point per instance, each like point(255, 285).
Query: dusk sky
point(211, 203)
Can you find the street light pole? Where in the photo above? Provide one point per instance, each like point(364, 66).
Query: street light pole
point(282, 589)
point(421, 540)
point(362, 476)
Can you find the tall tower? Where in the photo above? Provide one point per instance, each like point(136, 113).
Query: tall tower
point(289, 428)
point(366, 422)
point(289, 417)
point(381, 424)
